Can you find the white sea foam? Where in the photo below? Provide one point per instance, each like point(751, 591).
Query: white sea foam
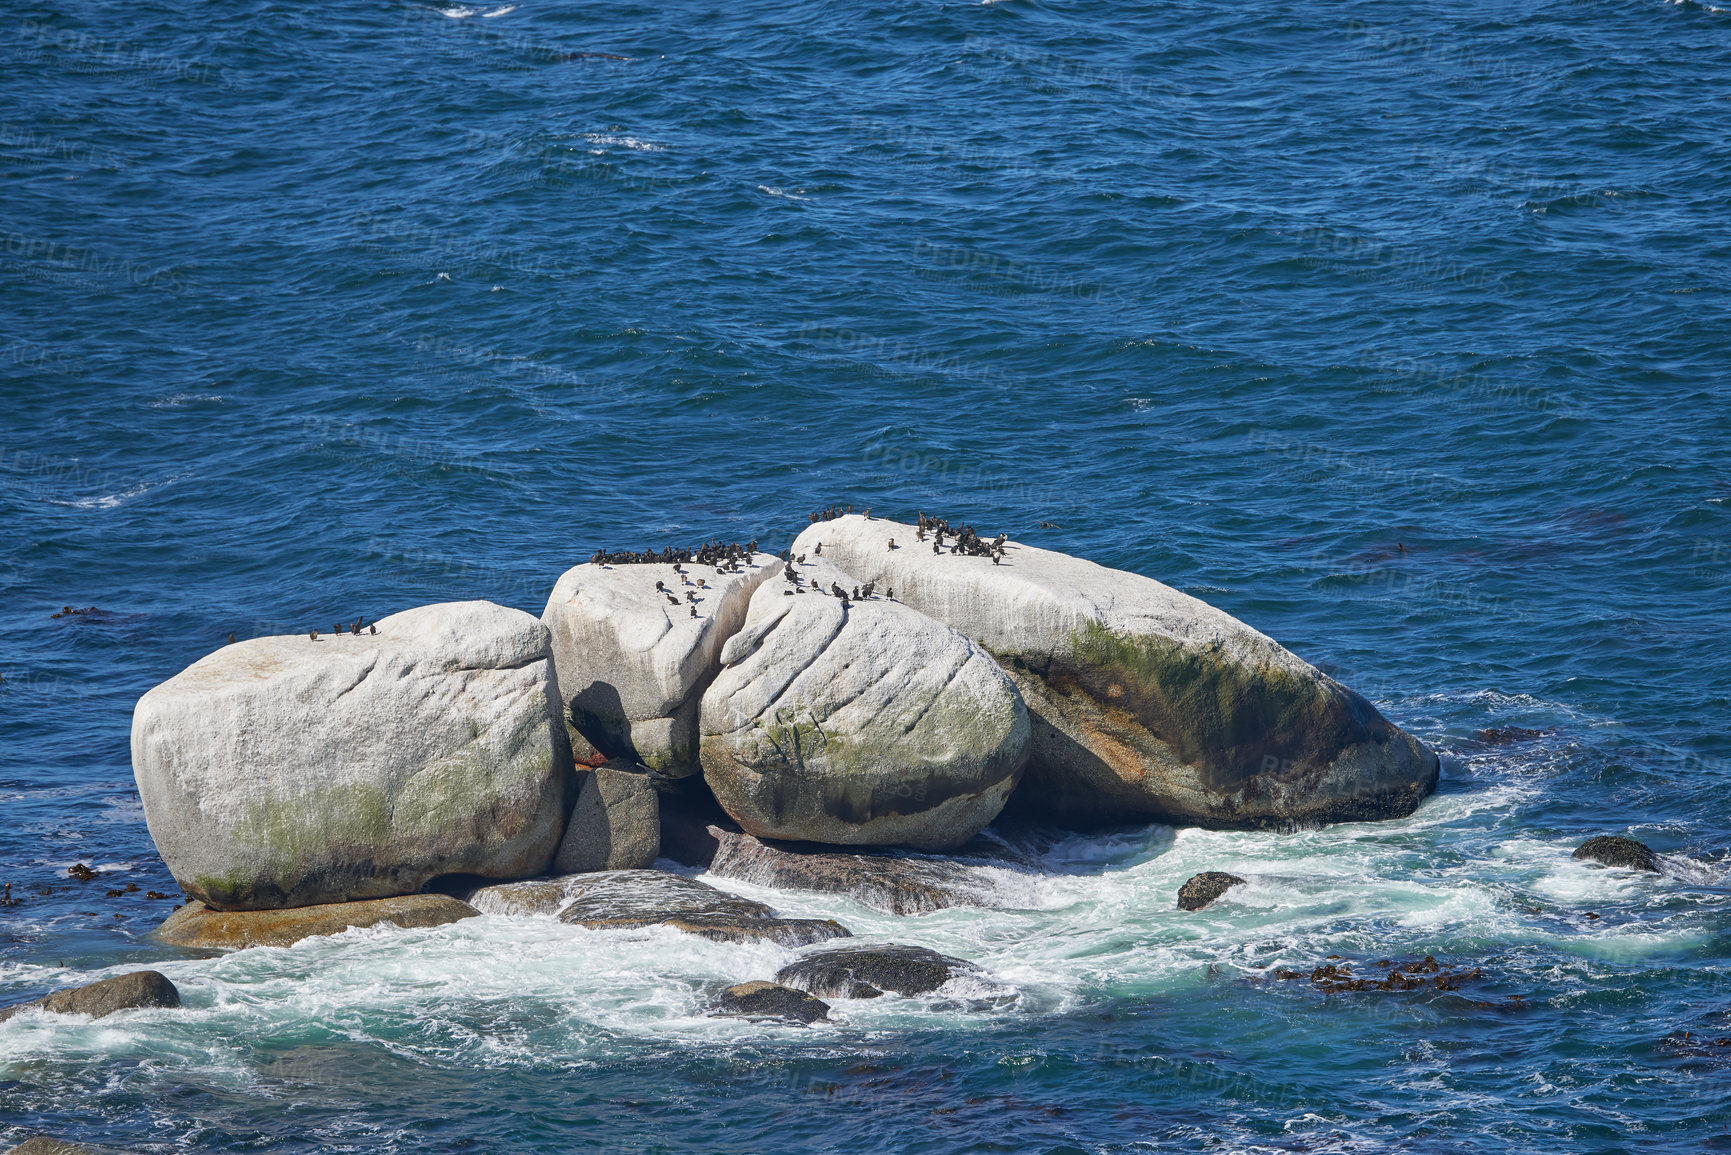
point(113, 500)
point(630, 142)
point(775, 192)
point(1083, 918)
point(175, 400)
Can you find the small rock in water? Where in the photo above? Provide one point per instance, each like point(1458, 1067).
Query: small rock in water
point(1427, 973)
point(1204, 888)
point(867, 972)
point(1615, 850)
point(43, 1145)
point(121, 993)
point(765, 1000)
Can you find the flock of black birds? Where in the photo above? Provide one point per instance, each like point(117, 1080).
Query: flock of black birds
point(354, 629)
point(834, 512)
point(859, 593)
point(720, 554)
point(967, 541)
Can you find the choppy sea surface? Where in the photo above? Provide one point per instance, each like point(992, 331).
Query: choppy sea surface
point(1399, 331)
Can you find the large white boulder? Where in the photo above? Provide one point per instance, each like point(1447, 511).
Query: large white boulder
point(633, 664)
point(858, 722)
point(1146, 702)
point(290, 771)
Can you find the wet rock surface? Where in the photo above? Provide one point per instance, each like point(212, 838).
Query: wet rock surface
point(766, 1001)
point(1202, 889)
point(120, 993)
point(1615, 850)
point(867, 972)
point(890, 883)
point(630, 899)
point(196, 925)
point(529, 897)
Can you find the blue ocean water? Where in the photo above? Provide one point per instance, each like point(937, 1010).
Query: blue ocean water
point(1400, 332)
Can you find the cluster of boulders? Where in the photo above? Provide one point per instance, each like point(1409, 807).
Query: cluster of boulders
point(472, 741)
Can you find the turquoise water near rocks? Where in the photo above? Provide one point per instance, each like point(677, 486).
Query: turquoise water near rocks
point(1399, 332)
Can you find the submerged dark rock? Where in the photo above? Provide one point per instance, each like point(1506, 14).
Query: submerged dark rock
point(868, 971)
point(1204, 888)
point(1508, 735)
point(629, 899)
point(1427, 973)
point(891, 883)
point(120, 993)
point(1615, 850)
point(771, 1001)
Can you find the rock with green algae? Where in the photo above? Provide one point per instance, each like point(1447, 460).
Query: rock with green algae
point(1146, 703)
point(858, 722)
point(293, 771)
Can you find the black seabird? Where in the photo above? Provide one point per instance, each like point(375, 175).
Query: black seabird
point(314, 635)
point(693, 611)
point(372, 629)
point(892, 543)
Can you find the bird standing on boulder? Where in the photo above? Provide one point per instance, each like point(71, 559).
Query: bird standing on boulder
point(892, 543)
point(314, 635)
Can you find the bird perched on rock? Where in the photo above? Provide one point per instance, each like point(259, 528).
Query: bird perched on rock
point(701, 584)
point(890, 593)
point(671, 600)
point(690, 597)
point(856, 593)
point(314, 635)
point(835, 588)
point(818, 552)
point(693, 611)
point(936, 547)
point(662, 586)
point(787, 593)
point(372, 629)
point(868, 588)
point(892, 543)
point(357, 626)
point(800, 559)
point(339, 628)
point(868, 513)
